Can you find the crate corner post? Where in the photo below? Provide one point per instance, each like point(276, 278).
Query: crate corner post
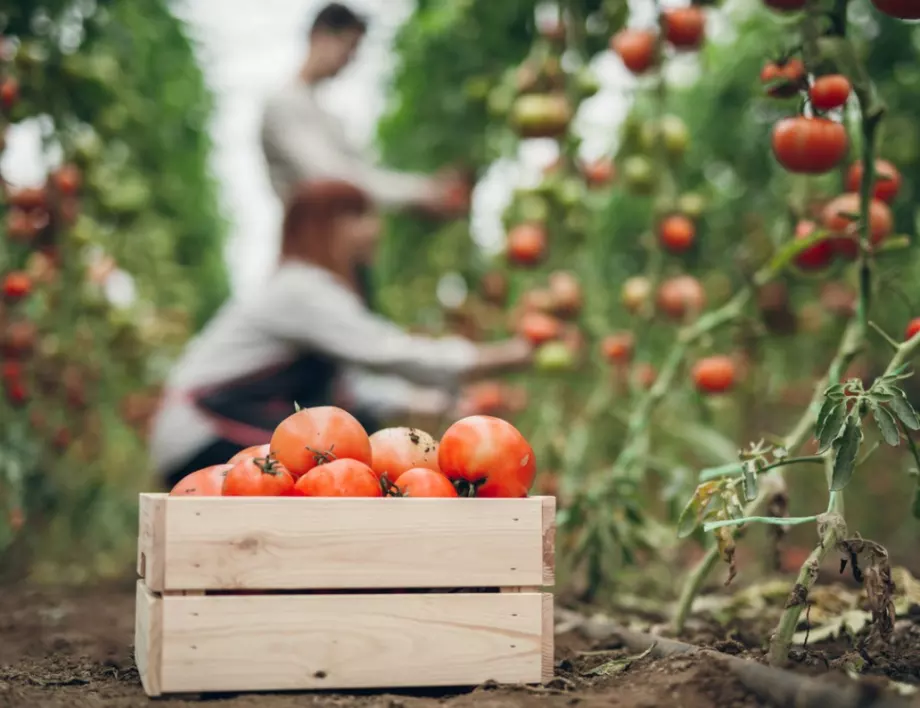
point(549, 540)
point(151, 556)
point(148, 639)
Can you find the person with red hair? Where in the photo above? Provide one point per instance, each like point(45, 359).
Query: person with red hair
point(308, 337)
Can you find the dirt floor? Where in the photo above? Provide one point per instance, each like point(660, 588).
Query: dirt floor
point(73, 648)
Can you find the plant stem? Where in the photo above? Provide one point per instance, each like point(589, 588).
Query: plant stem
point(736, 468)
point(850, 344)
point(781, 641)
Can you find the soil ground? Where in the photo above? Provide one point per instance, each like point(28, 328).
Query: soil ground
point(73, 648)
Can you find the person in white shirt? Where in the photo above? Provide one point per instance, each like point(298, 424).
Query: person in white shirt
point(308, 337)
point(302, 142)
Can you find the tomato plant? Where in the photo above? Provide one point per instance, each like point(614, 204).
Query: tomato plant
point(829, 92)
point(111, 253)
point(785, 78)
point(526, 244)
point(888, 180)
point(714, 374)
point(809, 145)
point(685, 27)
point(901, 9)
point(680, 297)
point(637, 49)
point(818, 256)
point(677, 233)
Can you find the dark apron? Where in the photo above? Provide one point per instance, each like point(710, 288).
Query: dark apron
point(246, 411)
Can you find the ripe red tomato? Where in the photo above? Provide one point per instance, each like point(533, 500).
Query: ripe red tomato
point(714, 374)
point(488, 456)
point(396, 450)
point(599, 173)
point(565, 291)
point(912, 328)
point(17, 393)
point(258, 477)
point(9, 93)
point(618, 348)
point(342, 478)
point(424, 482)
point(16, 285)
point(313, 436)
point(484, 397)
point(814, 257)
point(900, 9)
point(809, 145)
point(250, 453)
point(67, 179)
point(207, 482)
point(526, 243)
point(538, 327)
point(19, 338)
point(28, 199)
point(681, 296)
point(829, 92)
point(20, 226)
point(636, 48)
point(677, 233)
point(785, 5)
point(881, 222)
point(685, 27)
point(785, 79)
point(887, 180)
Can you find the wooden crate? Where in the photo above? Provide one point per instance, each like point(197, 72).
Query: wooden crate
point(276, 594)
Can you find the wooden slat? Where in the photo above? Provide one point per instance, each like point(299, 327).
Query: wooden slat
point(291, 544)
point(148, 638)
point(151, 556)
point(299, 642)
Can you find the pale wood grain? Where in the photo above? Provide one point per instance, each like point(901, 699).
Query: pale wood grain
point(549, 540)
point(300, 642)
point(151, 555)
point(265, 543)
point(549, 639)
point(148, 638)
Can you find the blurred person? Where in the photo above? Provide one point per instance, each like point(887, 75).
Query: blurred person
point(307, 336)
point(303, 142)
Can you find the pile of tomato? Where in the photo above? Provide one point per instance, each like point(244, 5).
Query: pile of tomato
point(326, 452)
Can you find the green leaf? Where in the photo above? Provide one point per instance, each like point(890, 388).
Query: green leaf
point(827, 407)
point(846, 448)
point(831, 426)
point(689, 518)
point(903, 410)
point(835, 392)
point(916, 507)
point(886, 424)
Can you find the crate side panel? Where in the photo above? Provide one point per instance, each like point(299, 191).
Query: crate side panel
point(148, 638)
point(262, 544)
point(301, 642)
